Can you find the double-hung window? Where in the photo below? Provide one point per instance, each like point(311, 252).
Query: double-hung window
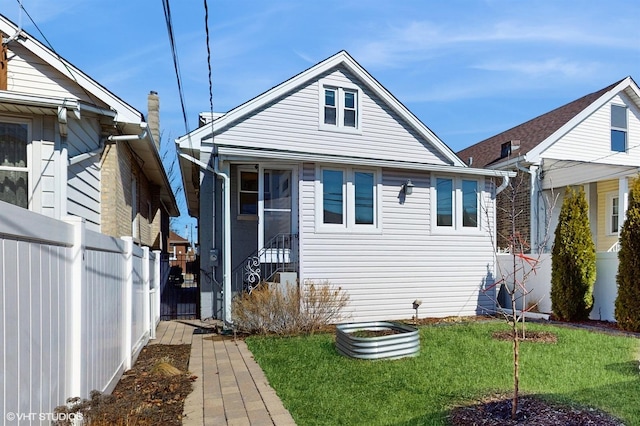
point(618, 128)
point(348, 199)
point(340, 108)
point(456, 204)
point(613, 213)
point(14, 163)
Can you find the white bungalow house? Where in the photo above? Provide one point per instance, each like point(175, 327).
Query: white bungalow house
point(328, 177)
point(69, 146)
point(592, 142)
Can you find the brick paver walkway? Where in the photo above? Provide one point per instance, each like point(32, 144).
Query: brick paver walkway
point(231, 388)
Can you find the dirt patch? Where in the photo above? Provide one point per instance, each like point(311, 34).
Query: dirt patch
point(150, 393)
point(529, 336)
point(532, 411)
point(376, 333)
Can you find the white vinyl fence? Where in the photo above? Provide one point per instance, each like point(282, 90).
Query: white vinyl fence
point(538, 284)
point(76, 308)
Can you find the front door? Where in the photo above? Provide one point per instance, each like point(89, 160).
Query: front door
point(277, 205)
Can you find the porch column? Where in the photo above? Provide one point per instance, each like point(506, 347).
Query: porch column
point(623, 196)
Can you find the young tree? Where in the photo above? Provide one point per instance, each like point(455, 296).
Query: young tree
point(628, 278)
point(573, 270)
point(512, 279)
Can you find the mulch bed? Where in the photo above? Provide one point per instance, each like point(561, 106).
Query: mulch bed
point(150, 393)
point(532, 411)
point(529, 336)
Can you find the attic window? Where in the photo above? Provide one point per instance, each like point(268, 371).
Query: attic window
point(618, 128)
point(339, 108)
point(507, 148)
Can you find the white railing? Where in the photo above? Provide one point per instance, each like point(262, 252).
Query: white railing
point(76, 307)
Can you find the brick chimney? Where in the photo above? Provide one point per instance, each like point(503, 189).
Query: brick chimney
point(153, 107)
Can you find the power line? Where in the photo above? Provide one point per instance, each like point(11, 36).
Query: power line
point(206, 29)
point(174, 54)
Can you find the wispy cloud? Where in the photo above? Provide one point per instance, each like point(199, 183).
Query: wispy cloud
point(546, 67)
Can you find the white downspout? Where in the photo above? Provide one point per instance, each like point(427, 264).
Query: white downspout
point(503, 185)
point(533, 206)
point(226, 238)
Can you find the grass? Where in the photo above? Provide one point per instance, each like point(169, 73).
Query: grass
point(457, 364)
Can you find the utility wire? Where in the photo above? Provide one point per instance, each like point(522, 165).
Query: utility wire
point(50, 46)
point(174, 54)
point(206, 29)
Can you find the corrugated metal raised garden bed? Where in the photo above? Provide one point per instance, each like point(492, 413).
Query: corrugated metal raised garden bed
point(377, 340)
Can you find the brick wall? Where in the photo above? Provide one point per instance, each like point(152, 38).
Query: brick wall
point(514, 208)
point(119, 167)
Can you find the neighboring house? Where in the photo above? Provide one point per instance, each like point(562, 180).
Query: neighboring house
point(328, 177)
point(68, 146)
point(181, 253)
point(592, 142)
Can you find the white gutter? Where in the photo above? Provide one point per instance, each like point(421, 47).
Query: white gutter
point(242, 154)
point(143, 126)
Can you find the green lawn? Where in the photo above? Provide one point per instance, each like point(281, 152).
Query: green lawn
point(457, 363)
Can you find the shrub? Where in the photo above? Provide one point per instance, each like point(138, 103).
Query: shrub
point(573, 270)
point(288, 309)
point(628, 279)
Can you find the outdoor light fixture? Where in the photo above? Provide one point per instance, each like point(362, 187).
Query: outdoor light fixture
point(408, 187)
point(416, 305)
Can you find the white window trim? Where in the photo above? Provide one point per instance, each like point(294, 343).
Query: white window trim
point(609, 213)
point(456, 228)
point(340, 89)
point(30, 167)
point(620, 129)
point(245, 216)
point(348, 208)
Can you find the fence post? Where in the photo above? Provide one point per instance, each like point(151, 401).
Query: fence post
point(156, 293)
point(75, 318)
point(146, 299)
point(127, 303)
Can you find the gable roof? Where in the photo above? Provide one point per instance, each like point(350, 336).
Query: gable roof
point(538, 133)
point(341, 58)
point(128, 119)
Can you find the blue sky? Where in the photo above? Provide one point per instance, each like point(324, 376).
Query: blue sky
point(467, 69)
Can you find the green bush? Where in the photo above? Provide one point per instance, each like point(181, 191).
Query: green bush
point(573, 270)
point(628, 278)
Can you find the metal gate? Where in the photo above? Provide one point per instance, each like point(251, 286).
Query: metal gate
point(180, 290)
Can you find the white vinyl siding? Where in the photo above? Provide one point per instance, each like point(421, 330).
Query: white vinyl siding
point(27, 73)
point(383, 273)
point(590, 140)
point(291, 124)
point(83, 178)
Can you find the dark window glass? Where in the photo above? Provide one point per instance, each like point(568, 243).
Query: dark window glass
point(618, 141)
point(469, 203)
point(332, 196)
point(14, 184)
point(364, 188)
point(444, 202)
point(330, 111)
